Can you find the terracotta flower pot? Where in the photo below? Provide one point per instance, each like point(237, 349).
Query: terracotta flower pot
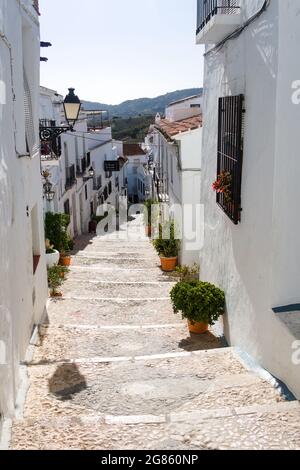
point(65, 260)
point(148, 231)
point(168, 264)
point(56, 294)
point(198, 328)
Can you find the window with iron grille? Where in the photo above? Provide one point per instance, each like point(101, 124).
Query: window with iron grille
point(70, 176)
point(67, 207)
point(230, 155)
point(83, 165)
point(88, 159)
point(105, 193)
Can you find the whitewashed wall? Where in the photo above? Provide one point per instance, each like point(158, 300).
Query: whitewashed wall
point(257, 262)
point(22, 293)
point(184, 109)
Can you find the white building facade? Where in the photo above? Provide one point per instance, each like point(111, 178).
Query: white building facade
point(138, 177)
point(175, 144)
point(251, 114)
point(70, 159)
point(23, 277)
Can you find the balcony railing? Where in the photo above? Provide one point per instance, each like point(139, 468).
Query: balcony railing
point(207, 9)
point(70, 177)
point(97, 183)
point(50, 149)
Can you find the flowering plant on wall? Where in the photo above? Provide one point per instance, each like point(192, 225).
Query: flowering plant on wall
point(223, 185)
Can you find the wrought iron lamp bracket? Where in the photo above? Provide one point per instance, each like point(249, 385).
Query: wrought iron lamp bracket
point(50, 133)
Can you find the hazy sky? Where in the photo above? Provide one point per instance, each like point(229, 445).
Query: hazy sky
point(114, 50)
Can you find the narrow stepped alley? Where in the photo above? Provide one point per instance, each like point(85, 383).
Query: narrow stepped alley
point(116, 369)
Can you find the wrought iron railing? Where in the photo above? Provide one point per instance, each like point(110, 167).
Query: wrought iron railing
point(50, 148)
point(207, 9)
point(230, 155)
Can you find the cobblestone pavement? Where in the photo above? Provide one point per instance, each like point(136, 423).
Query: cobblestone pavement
point(114, 368)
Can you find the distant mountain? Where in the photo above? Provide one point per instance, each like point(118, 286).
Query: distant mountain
point(142, 106)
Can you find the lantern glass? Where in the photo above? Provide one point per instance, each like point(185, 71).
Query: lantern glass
point(72, 107)
point(92, 172)
point(47, 187)
point(50, 196)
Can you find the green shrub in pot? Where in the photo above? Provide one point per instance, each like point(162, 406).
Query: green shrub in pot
point(56, 231)
point(198, 301)
point(167, 247)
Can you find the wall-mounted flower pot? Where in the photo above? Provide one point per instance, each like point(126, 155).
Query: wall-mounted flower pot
point(65, 260)
point(52, 259)
point(168, 264)
point(198, 328)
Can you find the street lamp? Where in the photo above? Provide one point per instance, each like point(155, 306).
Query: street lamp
point(72, 106)
point(91, 173)
point(47, 187)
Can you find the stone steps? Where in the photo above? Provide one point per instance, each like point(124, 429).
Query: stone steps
point(146, 386)
point(118, 290)
point(114, 368)
point(125, 252)
point(113, 262)
point(87, 273)
point(111, 312)
point(70, 343)
point(267, 427)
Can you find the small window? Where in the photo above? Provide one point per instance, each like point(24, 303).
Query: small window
point(230, 155)
point(88, 159)
point(86, 192)
point(67, 207)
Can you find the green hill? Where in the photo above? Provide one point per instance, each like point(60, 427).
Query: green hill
point(141, 106)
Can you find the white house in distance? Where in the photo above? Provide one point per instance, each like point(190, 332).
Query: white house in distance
point(251, 136)
point(23, 277)
point(176, 151)
point(69, 161)
point(137, 172)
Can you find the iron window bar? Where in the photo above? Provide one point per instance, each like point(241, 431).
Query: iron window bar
point(70, 177)
point(230, 154)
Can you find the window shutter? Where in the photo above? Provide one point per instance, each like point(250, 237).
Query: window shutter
point(31, 144)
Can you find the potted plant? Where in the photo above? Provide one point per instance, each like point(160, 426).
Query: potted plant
point(65, 257)
point(223, 185)
point(52, 255)
point(56, 229)
point(56, 276)
point(187, 273)
point(167, 248)
point(201, 303)
point(148, 215)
